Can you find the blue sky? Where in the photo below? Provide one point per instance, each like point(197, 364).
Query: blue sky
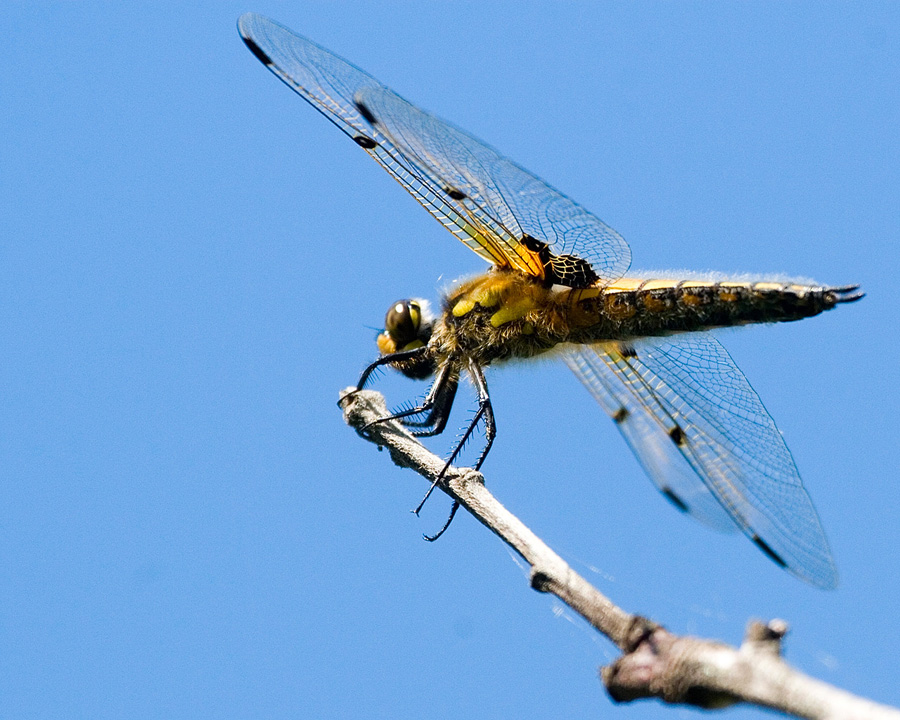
point(191, 265)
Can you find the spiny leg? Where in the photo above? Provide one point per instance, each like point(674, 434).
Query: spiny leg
point(436, 406)
point(484, 405)
point(453, 509)
point(399, 357)
point(485, 411)
point(389, 359)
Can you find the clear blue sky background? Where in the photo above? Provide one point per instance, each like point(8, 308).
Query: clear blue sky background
point(191, 262)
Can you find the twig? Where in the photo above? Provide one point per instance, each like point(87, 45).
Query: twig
point(654, 662)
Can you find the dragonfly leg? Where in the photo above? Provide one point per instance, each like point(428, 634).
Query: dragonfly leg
point(405, 355)
point(436, 406)
point(485, 412)
point(389, 359)
point(453, 509)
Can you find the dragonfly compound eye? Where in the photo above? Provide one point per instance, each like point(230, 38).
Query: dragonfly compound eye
point(408, 324)
point(402, 322)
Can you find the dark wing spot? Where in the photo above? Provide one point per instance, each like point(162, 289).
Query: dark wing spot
point(572, 271)
point(569, 270)
point(533, 244)
point(620, 415)
point(674, 499)
point(366, 113)
point(627, 351)
point(257, 50)
point(365, 142)
point(455, 193)
point(677, 435)
point(773, 556)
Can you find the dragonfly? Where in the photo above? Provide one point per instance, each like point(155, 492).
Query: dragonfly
point(557, 282)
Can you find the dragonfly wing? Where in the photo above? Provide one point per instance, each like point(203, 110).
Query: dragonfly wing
point(687, 410)
point(485, 200)
point(329, 83)
point(648, 439)
point(498, 193)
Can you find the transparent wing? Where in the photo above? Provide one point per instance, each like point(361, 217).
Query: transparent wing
point(487, 201)
point(705, 438)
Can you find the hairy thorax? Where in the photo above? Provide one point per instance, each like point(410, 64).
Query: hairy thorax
point(500, 315)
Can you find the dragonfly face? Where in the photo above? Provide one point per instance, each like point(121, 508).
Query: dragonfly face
point(557, 279)
point(407, 326)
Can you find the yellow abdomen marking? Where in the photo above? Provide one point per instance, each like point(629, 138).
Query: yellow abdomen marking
point(654, 304)
point(617, 307)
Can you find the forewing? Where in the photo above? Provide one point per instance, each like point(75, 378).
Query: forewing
point(484, 199)
point(690, 414)
point(498, 193)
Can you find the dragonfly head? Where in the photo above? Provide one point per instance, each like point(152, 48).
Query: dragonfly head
point(407, 326)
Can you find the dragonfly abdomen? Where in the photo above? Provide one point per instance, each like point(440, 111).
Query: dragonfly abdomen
point(634, 308)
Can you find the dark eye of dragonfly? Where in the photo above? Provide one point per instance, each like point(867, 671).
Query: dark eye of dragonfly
point(406, 325)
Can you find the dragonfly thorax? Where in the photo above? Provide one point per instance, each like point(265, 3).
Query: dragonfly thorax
point(497, 316)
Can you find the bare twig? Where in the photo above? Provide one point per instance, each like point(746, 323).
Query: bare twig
point(654, 662)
